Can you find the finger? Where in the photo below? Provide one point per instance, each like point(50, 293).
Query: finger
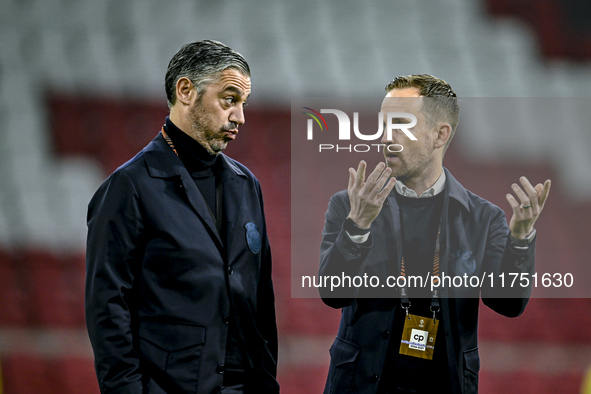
point(372, 180)
point(545, 192)
point(386, 190)
point(513, 202)
point(539, 189)
point(352, 177)
point(381, 182)
point(360, 174)
point(521, 194)
point(375, 175)
point(530, 191)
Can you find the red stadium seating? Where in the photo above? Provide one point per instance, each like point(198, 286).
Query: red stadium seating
point(529, 383)
point(302, 380)
point(12, 305)
point(563, 27)
point(45, 290)
point(54, 290)
point(29, 374)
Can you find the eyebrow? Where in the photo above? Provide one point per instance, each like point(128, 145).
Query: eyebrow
point(237, 91)
point(400, 120)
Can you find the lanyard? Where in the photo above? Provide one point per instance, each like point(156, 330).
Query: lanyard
point(434, 295)
point(218, 217)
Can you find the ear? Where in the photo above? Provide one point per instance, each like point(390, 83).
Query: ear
point(443, 131)
point(185, 91)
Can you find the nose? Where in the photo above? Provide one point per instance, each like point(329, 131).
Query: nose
point(385, 139)
point(237, 115)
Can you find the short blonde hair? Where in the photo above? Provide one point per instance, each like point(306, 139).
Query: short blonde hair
point(442, 104)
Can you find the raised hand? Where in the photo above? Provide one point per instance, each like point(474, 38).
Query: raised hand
point(367, 197)
point(527, 210)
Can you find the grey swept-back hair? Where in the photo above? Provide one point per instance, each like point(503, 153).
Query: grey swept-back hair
point(200, 62)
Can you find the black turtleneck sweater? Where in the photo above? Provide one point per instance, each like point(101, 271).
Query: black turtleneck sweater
point(204, 168)
point(197, 160)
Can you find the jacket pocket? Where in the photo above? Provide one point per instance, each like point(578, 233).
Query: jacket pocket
point(343, 360)
point(171, 353)
point(471, 369)
point(464, 262)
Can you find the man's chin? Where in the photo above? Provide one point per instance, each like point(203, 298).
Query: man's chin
point(218, 146)
point(394, 166)
point(398, 172)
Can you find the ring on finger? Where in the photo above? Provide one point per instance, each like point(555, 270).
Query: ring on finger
point(526, 206)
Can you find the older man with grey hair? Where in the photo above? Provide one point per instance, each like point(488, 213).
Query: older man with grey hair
point(179, 296)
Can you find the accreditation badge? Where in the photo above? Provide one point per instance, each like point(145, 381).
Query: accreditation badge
point(418, 336)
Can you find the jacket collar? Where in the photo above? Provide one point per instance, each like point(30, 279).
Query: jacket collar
point(163, 162)
point(452, 189)
point(455, 189)
point(435, 189)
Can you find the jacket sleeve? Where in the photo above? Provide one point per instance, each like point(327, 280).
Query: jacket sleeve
point(113, 255)
point(266, 320)
point(339, 255)
point(503, 260)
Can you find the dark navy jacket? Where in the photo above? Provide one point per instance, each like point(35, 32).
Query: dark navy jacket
point(161, 282)
point(475, 235)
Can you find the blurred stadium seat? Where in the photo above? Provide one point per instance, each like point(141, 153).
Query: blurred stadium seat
point(563, 27)
point(28, 374)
